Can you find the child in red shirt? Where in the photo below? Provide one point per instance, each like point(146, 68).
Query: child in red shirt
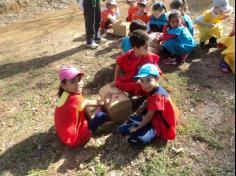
point(142, 13)
point(73, 123)
point(158, 115)
point(131, 61)
point(133, 9)
point(109, 15)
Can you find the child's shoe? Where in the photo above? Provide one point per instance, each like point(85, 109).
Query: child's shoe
point(202, 45)
point(224, 67)
point(213, 42)
point(170, 61)
point(100, 40)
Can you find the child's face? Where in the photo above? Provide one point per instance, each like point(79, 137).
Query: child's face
point(175, 22)
point(218, 11)
point(74, 86)
point(148, 83)
point(130, 4)
point(141, 51)
point(141, 8)
point(157, 13)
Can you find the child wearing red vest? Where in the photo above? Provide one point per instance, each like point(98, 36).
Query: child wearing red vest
point(131, 61)
point(142, 13)
point(73, 123)
point(157, 117)
point(109, 15)
point(133, 9)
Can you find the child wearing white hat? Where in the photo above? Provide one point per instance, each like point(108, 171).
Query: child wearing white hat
point(109, 15)
point(210, 23)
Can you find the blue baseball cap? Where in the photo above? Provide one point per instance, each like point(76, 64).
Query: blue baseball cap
point(147, 70)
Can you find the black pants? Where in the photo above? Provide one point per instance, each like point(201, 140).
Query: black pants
point(92, 16)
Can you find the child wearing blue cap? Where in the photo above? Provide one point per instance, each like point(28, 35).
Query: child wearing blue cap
point(157, 117)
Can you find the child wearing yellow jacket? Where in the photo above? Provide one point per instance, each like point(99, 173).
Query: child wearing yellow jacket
point(210, 23)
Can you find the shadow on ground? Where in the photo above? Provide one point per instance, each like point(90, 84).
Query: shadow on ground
point(40, 151)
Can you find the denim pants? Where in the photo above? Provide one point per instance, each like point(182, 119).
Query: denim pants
point(99, 119)
point(142, 136)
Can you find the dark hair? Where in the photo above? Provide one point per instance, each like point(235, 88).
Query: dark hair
point(179, 5)
point(137, 24)
point(139, 38)
point(159, 6)
point(174, 14)
point(61, 90)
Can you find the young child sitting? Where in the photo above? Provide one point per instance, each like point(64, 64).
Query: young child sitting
point(227, 44)
point(135, 25)
point(210, 23)
point(73, 123)
point(130, 62)
point(181, 5)
point(109, 15)
point(142, 13)
point(158, 115)
point(177, 40)
point(133, 9)
point(158, 19)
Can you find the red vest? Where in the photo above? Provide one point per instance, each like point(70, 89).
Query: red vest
point(70, 122)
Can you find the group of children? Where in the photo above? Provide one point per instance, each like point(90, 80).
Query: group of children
point(137, 73)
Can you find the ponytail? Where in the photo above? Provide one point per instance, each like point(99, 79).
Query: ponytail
point(60, 89)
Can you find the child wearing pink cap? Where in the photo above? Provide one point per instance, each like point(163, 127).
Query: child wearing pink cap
point(73, 122)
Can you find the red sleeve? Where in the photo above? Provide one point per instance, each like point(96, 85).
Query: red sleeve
point(121, 60)
point(167, 36)
point(76, 101)
point(156, 103)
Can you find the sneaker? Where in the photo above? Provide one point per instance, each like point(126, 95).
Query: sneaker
point(170, 61)
point(100, 40)
point(224, 67)
point(202, 45)
point(93, 45)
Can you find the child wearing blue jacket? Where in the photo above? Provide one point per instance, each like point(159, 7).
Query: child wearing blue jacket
point(158, 19)
point(178, 42)
point(135, 25)
point(181, 5)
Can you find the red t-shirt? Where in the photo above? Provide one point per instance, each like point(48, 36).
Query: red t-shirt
point(104, 16)
point(145, 18)
point(131, 12)
point(165, 119)
point(131, 64)
point(70, 122)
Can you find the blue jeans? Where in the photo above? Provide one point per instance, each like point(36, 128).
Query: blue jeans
point(99, 119)
point(142, 136)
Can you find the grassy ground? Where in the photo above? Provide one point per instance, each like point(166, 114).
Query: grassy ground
point(31, 53)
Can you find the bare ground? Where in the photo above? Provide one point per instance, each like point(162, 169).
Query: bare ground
point(31, 52)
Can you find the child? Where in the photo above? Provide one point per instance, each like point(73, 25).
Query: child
point(109, 15)
point(131, 61)
point(135, 25)
point(178, 42)
point(181, 6)
point(158, 19)
point(228, 46)
point(133, 9)
point(72, 125)
point(210, 23)
point(157, 117)
point(142, 13)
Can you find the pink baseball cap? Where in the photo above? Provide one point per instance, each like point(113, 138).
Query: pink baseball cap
point(69, 73)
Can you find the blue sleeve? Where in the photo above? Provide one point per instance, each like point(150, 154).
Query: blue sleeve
point(189, 23)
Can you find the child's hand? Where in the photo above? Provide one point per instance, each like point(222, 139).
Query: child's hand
point(100, 102)
point(108, 98)
point(133, 130)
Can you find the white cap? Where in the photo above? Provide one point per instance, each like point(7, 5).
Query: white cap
point(113, 2)
point(144, 2)
point(222, 4)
